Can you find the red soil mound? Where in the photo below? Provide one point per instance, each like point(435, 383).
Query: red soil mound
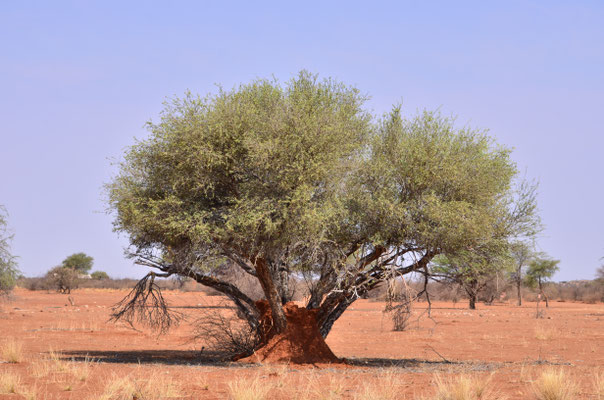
point(301, 343)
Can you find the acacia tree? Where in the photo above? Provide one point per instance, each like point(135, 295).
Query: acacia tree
point(8, 262)
point(470, 269)
point(79, 262)
point(283, 179)
point(540, 270)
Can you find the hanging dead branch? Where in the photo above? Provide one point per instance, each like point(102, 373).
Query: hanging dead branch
point(146, 305)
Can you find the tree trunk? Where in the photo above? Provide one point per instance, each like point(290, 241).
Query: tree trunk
point(272, 294)
point(518, 285)
point(472, 303)
point(472, 291)
point(300, 342)
point(543, 293)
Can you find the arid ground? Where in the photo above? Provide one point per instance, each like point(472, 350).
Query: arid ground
point(72, 352)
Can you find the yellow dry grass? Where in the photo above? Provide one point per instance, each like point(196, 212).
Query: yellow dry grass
point(546, 333)
point(464, 387)
point(9, 382)
point(599, 385)
point(155, 387)
point(386, 387)
point(554, 384)
point(249, 389)
point(12, 351)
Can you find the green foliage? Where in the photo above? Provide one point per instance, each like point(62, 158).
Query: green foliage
point(79, 262)
point(540, 270)
point(62, 279)
point(99, 275)
point(260, 167)
point(8, 264)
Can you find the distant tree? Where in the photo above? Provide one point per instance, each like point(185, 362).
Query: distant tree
point(281, 180)
point(99, 275)
point(63, 279)
point(476, 267)
point(471, 270)
point(521, 253)
point(8, 262)
point(540, 270)
point(79, 262)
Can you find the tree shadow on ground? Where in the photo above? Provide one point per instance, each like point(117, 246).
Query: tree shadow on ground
point(216, 359)
point(167, 357)
point(420, 365)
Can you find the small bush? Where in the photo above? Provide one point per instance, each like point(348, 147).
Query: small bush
point(63, 279)
point(554, 385)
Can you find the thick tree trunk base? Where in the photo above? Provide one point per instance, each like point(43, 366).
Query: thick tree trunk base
point(300, 343)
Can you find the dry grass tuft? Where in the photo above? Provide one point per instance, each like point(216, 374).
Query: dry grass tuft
point(155, 387)
point(599, 385)
point(464, 387)
point(386, 387)
point(12, 351)
point(554, 385)
point(545, 333)
point(249, 389)
point(81, 370)
point(40, 369)
point(30, 393)
point(9, 382)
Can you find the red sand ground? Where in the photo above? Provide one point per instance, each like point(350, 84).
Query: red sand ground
point(503, 340)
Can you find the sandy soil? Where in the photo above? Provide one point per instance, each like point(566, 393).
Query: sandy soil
point(504, 343)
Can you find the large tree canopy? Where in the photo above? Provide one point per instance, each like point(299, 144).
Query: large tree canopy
point(284, 179)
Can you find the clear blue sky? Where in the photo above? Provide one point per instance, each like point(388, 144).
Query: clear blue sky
point(78, 80)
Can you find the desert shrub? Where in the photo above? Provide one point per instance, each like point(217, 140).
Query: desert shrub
point(62, 279)
point(99, 275)
point(38, 283)
point(224, 333)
